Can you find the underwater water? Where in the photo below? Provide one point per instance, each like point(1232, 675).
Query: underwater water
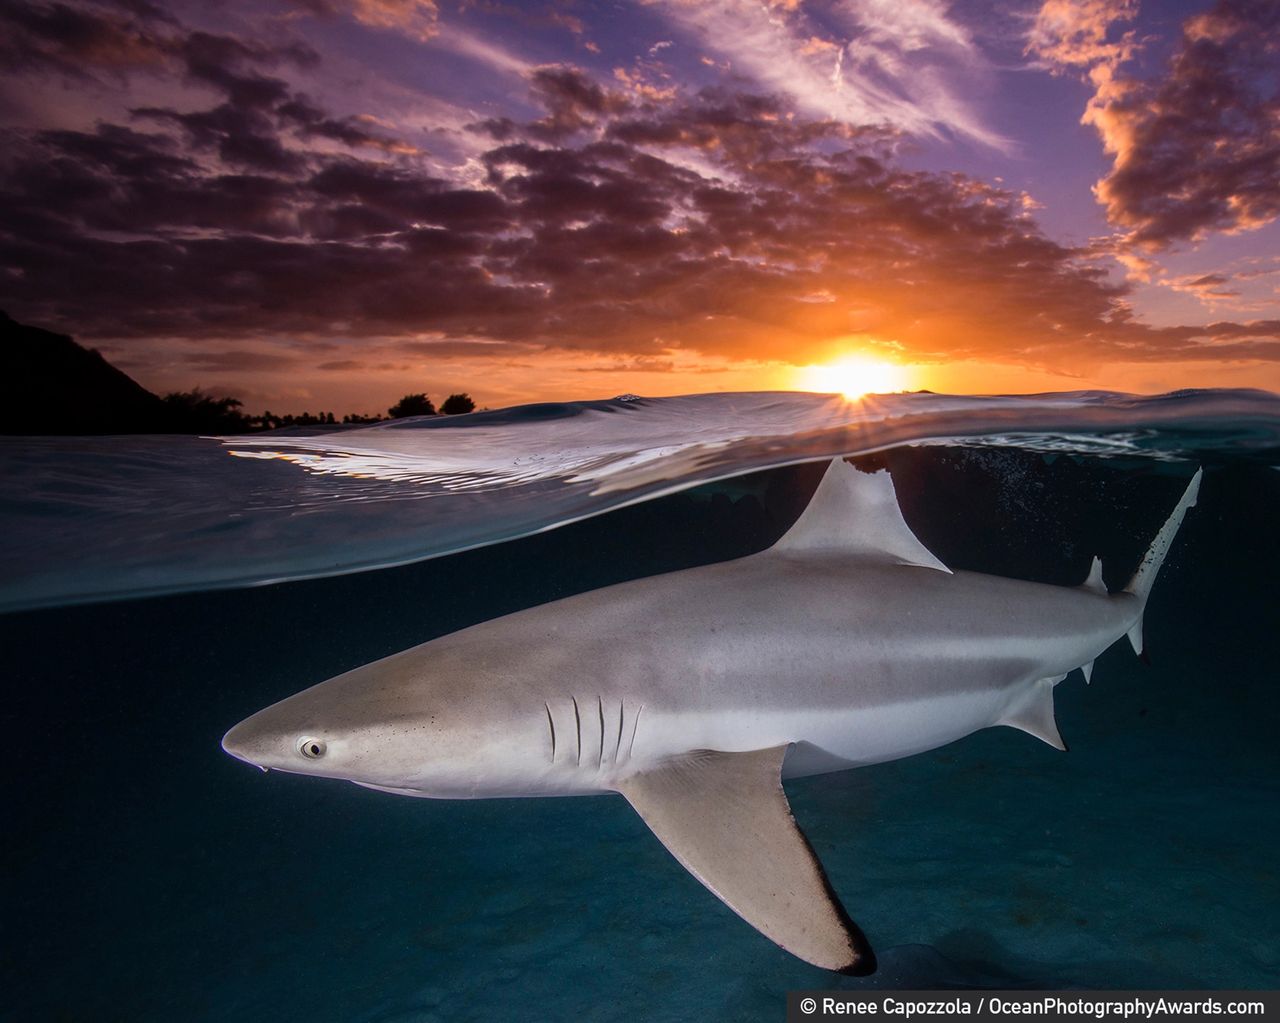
point(148, 876)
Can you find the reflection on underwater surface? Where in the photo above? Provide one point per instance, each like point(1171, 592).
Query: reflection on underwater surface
point(151, 877)
point(93, 518)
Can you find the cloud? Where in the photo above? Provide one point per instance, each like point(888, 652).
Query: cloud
point(418, 19)
point(637, 365)
point(251, 128)
point(1196, 150)
point(355, 132)
point(906, 66)
point(441, 347)
point(245, 129)
point(1205, 287)
point(1258, 268)
point(238, 361)
point(648, 232)
point(82, 40)
point(1082, 34)
point(468, 44)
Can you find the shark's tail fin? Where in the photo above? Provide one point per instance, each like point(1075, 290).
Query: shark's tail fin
point(1144, 578)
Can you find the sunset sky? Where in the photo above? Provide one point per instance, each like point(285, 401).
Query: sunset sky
point(325, 204)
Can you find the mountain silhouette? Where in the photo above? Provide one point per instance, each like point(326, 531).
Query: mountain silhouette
point(59, 387)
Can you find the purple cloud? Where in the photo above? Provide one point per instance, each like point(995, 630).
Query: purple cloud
point(720, 223)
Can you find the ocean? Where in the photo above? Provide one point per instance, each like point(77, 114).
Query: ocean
point(159, 590)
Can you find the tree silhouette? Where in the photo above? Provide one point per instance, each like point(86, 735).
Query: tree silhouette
point(197, 412)
point(456, 404)
point(412, 405)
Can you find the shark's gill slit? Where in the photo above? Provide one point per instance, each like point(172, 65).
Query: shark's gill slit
point(551, 726)
point(600, 705)
point(577, 720)
point(635, 723)
point(622, 714)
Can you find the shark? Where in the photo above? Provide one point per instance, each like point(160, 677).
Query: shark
point(696, 694)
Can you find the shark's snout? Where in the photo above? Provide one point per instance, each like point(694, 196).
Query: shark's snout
point(239, 742)
point(277, 738)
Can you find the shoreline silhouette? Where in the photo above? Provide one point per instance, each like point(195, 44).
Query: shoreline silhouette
point(60, 387)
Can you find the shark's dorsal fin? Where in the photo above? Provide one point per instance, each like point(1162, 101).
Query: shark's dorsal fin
point(725, 817)
point(854, 512)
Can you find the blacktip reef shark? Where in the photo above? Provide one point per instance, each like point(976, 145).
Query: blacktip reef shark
point(694, 694)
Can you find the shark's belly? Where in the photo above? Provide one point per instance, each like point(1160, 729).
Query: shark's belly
point(829, 738)
point(891, 731)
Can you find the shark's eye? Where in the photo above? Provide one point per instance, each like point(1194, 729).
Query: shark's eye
point(312, 749)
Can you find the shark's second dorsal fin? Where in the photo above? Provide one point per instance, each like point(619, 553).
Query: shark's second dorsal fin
point(1094, 583)
point(854, 512)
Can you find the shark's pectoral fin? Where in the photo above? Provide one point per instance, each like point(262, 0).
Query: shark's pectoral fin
point(725, 817)
point(1033, 713)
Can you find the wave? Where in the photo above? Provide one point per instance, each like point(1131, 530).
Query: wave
point(85, 519)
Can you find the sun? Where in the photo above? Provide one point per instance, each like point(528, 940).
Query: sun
point(853, 377)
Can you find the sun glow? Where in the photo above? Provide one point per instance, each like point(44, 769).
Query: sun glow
point(853, 377)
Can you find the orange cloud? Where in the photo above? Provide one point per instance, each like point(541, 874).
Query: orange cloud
point(416, 18)
point(1194, 151)
point(1079, 33)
